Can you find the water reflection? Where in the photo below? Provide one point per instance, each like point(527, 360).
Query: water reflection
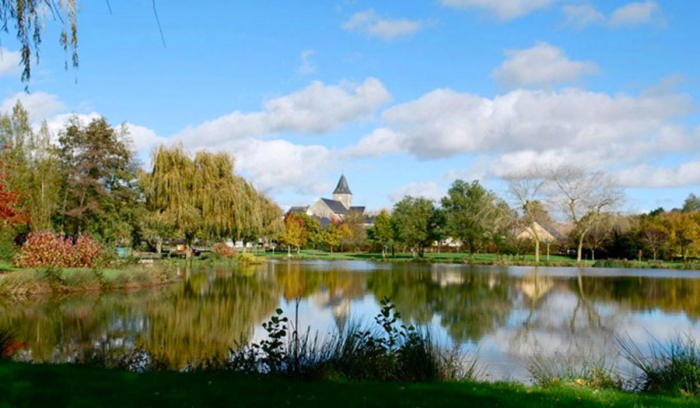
point(510, 314)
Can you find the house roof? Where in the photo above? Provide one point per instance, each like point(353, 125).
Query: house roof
point(360, 209)
point(342, 187)
point(324, 221)
point(335, 206)
point(297, 210)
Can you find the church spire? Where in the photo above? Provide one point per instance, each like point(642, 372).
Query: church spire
point(342, 187)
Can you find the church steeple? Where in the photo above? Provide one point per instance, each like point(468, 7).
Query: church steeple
point(342, 187)
point(342, 192)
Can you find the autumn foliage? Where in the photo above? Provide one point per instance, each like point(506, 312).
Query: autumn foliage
point(51, 249)
point(9, 201)
point(224, 251)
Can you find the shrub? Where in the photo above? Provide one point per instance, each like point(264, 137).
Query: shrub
point(221, 250)
point(249, 259)
point(51, 249)
point(613, 263)
point(672, 368)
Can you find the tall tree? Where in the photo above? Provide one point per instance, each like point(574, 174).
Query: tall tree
point(101, 185)
point(471, 213)
point(526, 190)
point(584, 197)
point(411, 220)
point(382, 232)
point(272, 222)
point(294, 232)
point(691, 203)
point(169, 193)
point(355, 223)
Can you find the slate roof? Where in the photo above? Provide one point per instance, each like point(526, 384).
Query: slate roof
point(324, 221)
point(360, 209)
point(342, 187)
point(335, 206)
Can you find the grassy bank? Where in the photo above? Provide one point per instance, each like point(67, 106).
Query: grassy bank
point(26, 282)
point(25, 385)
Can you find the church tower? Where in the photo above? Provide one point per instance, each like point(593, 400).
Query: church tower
point(342, 192)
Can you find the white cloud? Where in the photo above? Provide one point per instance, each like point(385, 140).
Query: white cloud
point(505, 10)
point(580, 16)
point(40, 105)
point(426, 189)
point(542, 64)
point(645, 175)
point(369, 23)
point(316, 109)
point(524, 127)
point(634, 14)
point(9, 62)
point(307, 66)
point(279, 165)
point(443, 122)
point(381, 141)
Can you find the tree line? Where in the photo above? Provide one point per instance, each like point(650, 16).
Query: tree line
point(89, 181)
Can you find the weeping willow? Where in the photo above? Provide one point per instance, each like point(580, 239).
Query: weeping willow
point(202, 196)
point(169, 191)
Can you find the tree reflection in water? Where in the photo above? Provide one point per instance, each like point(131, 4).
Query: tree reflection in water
point(515, 311)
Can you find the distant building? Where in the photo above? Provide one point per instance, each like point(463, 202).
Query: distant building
point(327, 210)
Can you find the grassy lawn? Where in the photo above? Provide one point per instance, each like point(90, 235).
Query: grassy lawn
point(25, 385)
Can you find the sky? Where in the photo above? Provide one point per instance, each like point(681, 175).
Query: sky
point(401, 97)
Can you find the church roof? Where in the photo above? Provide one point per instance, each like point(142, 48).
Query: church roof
point(335, 206)
point(342, 187)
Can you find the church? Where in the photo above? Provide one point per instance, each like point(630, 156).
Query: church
point(327, 210)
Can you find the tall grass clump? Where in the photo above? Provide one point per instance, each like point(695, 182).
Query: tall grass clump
point(586, 372)
point(670, 368)
point(6, 343)
point(386, 351)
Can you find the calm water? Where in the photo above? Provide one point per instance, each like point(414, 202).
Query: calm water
point(507, 314)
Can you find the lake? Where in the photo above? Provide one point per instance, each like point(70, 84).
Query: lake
point(507, 315)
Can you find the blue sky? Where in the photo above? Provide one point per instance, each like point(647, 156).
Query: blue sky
point(401, 96)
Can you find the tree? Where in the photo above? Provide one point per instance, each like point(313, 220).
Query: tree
point(411, 220)
point(471, 212)
point(691, 203)
point(601, 230)
point(100, 194)
point(332, 236)
point(583, 198)
point(654, 238)
point(294, 232)
point(682, 230)
point(354, 221)
point(170, 195)
point(29, 16)
point(9, 202)
point(382, 232)
point(32, 166)
point(271, 218)
point(526, 190)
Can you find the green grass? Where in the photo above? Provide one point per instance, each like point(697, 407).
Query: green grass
point(23, 282)
point(25, 385)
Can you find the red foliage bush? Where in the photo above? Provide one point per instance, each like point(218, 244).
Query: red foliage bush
point(224, 250)
point(50, 249)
